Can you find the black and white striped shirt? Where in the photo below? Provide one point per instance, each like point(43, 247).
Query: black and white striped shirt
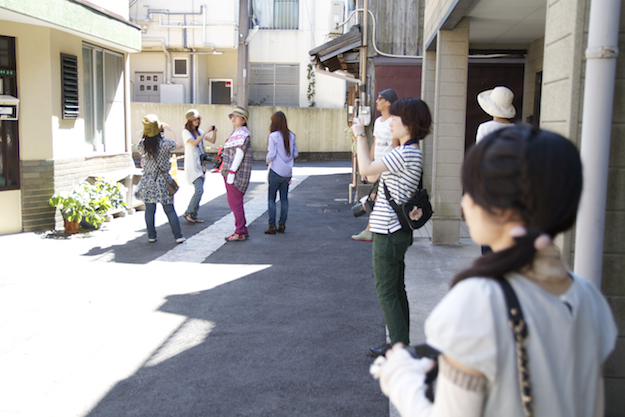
point(402, 179)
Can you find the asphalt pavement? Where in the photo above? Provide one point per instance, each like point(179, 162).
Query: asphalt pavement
point(104, 323)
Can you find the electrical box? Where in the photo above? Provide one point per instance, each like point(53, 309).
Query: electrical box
point(364, 112)
point(172, 93)
point(336, 17)
point(9, 107)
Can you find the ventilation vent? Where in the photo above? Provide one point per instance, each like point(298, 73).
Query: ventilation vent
point(69, 86)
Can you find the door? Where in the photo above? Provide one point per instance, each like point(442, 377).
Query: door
point(220, 91)
point(9, 138)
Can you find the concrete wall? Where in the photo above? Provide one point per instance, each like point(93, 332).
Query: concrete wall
point(562, 90)
point(435, 11)
point(613, 283)
point(319, 131)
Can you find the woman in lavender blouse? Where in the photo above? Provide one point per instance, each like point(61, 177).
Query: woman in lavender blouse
point(281, 151)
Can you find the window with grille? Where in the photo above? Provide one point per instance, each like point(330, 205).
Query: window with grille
point(275, 14)
point(274, 84)
point(69, 86)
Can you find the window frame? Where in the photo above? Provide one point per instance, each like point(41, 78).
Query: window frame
point(99, 101)
point(186, 66)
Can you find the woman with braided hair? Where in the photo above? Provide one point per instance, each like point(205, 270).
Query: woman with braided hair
point(522, 188)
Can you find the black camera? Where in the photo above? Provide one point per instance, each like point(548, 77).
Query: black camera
point(365, 206)
point(205, 158)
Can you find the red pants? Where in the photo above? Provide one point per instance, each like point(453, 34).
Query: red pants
point(235, 201)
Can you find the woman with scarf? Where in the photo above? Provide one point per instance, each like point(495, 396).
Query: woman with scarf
point(236, 169)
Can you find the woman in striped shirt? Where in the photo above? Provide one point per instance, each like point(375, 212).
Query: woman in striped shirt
point(401, 172)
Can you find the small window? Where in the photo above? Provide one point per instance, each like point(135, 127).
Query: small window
point(149, 78)
point(156, 78)
point(142, 78)
point(142, 87)
point(180, 67)
point(156, 88)
point(149, 87)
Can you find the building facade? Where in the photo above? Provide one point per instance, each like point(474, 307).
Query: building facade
point(65, 63)
point(189, 53)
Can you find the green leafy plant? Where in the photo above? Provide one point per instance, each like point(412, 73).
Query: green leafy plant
point(310, 94)
point(89, 201)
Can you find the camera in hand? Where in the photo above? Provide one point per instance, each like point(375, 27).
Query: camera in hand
point(365, 206)
point(205, 158)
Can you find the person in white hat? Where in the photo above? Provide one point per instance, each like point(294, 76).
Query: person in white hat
point(194, 167)
point(498, 104)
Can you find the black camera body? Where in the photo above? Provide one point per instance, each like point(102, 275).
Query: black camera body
point(364, 207)
point(205, 158)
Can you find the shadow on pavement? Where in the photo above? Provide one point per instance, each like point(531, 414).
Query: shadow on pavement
point(289, 340)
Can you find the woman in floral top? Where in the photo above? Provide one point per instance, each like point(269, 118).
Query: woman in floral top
point(236, 169)
point(155, 151)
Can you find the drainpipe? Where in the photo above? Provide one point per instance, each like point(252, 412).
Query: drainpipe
point(596, 128)
point(167, 55)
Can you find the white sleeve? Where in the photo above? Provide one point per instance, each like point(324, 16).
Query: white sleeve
point(402, 379)
point(457, 393)
point(236, 161)
point(462, 325)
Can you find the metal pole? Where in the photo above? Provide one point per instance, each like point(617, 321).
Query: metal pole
point(242, 90)
point(596, 129)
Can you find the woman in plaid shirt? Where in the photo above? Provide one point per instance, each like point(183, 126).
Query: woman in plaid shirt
point(236, 169)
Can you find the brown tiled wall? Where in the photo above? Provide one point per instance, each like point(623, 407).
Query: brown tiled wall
point(41, 179)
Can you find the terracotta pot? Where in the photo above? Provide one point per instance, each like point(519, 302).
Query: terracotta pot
point(71, 227)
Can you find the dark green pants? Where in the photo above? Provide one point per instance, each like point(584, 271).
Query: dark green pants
point(388, 270)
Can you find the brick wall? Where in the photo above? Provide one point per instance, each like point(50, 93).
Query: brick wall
point(41, 179)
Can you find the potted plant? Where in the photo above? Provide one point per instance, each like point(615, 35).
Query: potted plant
point(104, 196)
point(88, 203)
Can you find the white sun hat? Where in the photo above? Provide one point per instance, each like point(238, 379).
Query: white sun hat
point(497, 102)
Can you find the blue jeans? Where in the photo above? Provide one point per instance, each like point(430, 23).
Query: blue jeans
point(194, 204)
point(278, 183)
point(174, 223)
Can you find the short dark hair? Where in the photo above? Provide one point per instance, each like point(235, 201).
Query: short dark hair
point(415, 115)
point(534, 172)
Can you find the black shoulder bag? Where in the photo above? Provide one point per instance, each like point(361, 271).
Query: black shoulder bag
point(420, 201)
point(520, 333)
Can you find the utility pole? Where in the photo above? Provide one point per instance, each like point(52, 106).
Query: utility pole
point(242, 59)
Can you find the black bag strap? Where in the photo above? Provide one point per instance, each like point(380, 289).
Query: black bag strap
point(520, 333)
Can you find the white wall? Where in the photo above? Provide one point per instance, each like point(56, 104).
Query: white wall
point(292, 46)
point(221, 19)
point(119, 7)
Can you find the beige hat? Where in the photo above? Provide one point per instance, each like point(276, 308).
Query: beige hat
point(151, 125)
point(241, 112)
point(497, 102)
point(192, 114)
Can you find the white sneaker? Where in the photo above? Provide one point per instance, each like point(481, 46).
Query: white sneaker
point(180, 240)
point(152, 240)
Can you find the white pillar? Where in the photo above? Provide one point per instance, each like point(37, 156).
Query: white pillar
point(596, 129)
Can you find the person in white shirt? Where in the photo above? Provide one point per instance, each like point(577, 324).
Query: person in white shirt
point(498, 104)
point(522, 188)
point(194, 168)
point(383, 143)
